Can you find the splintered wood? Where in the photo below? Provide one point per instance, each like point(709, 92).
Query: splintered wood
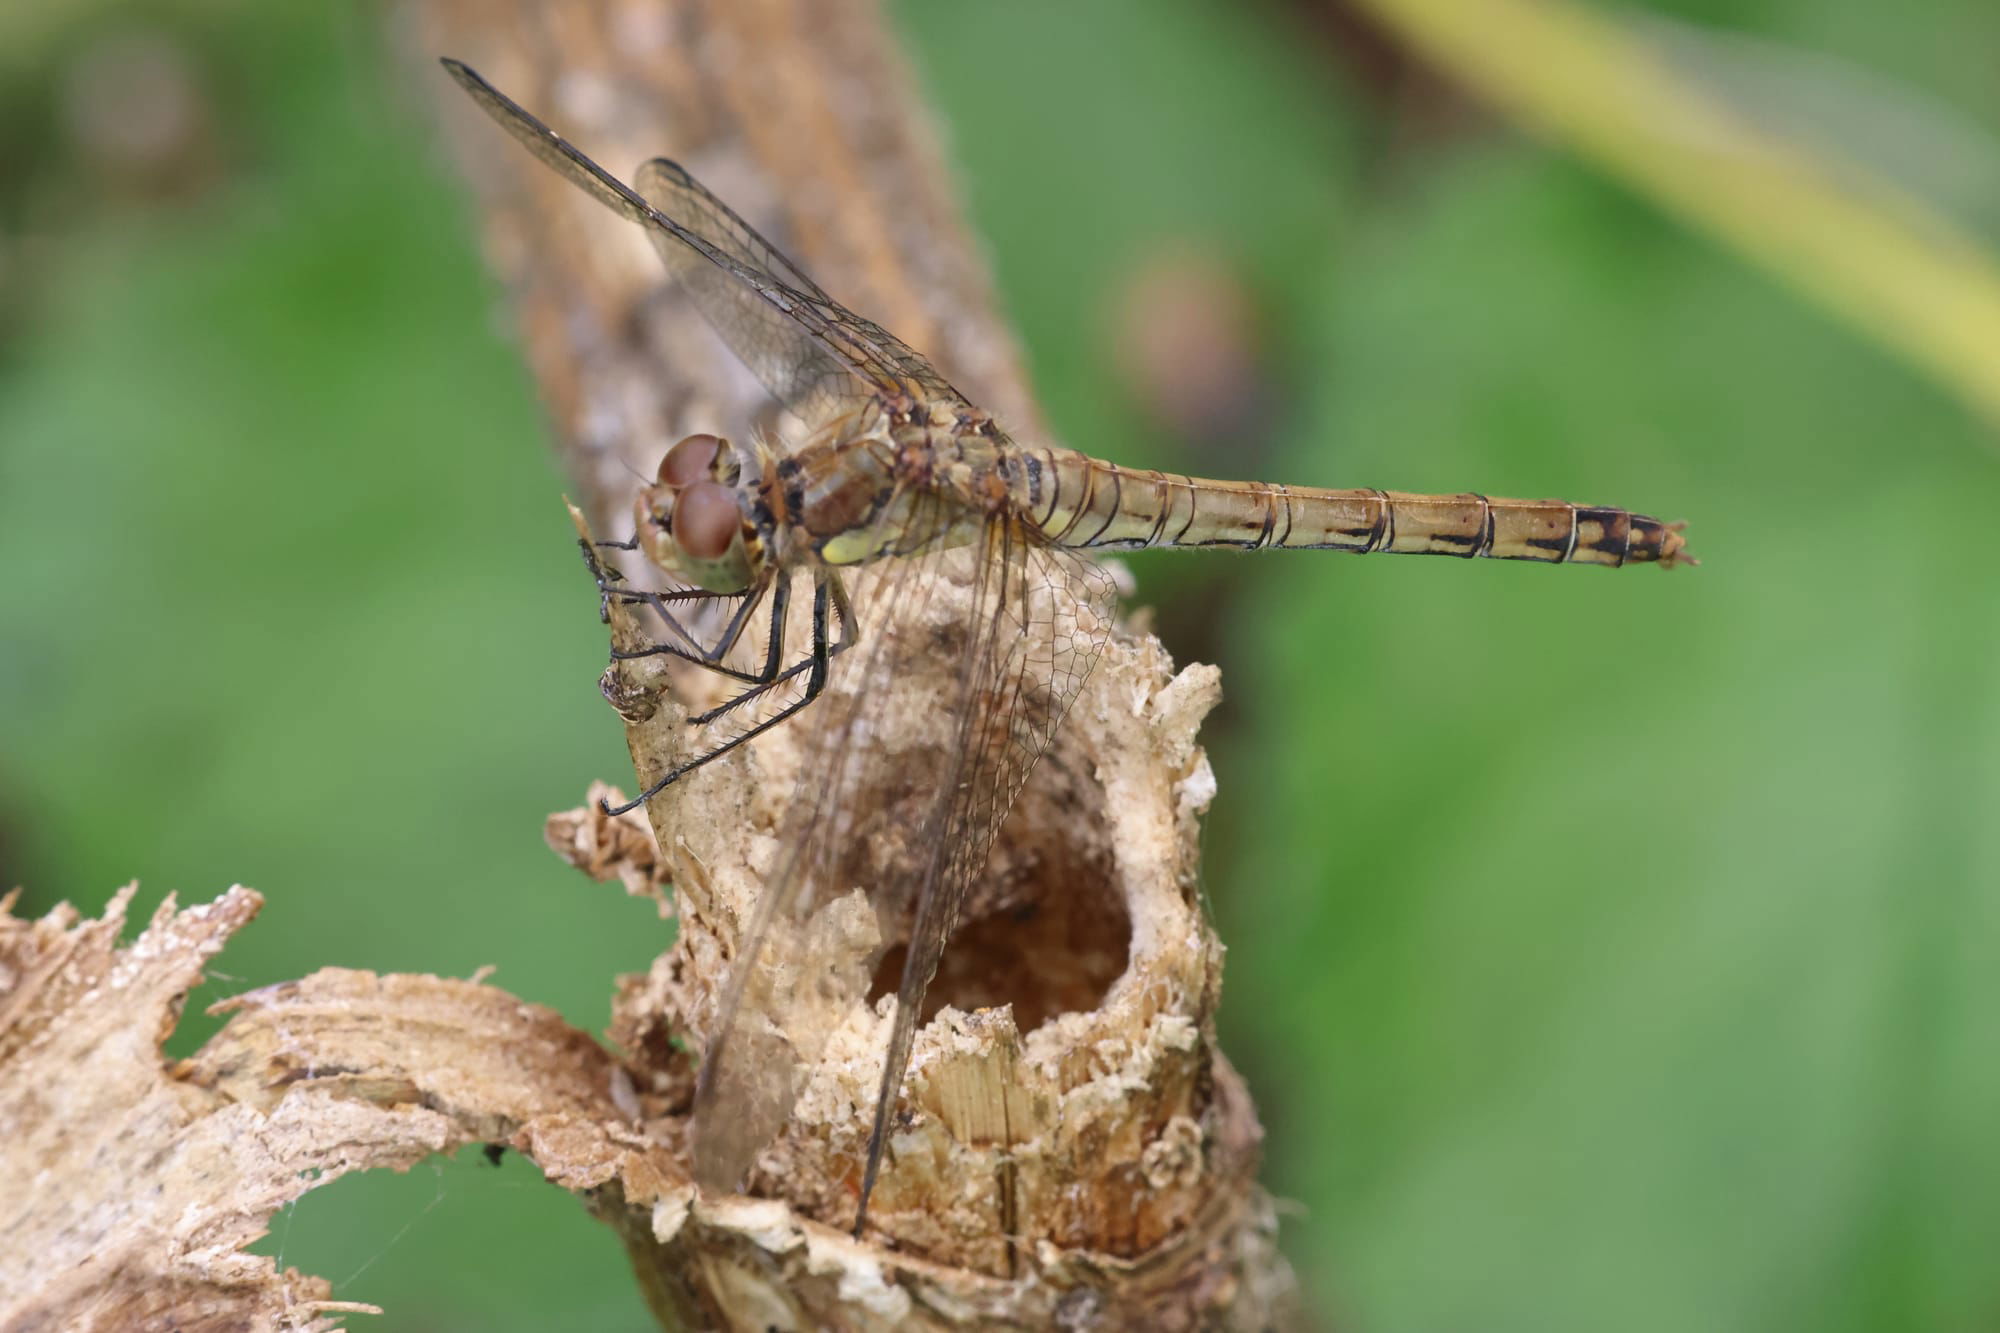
point(126, 1195)
point(129, 1184)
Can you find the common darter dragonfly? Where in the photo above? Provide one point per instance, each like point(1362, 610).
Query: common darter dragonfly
point(894, 485)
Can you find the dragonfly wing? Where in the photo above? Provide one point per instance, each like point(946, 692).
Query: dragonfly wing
point(781, 349)
point(809, 350)
point(550, 147)
point(800, 966)
point(1039, 620)
point(968, 660)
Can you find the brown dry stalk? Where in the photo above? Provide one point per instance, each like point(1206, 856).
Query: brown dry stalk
point(1073, 1150)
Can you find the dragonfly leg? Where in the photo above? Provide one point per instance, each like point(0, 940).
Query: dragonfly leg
point(711, 657)
point(816, 664)
point(774, 649)
point(610, 583)
point(845, 615)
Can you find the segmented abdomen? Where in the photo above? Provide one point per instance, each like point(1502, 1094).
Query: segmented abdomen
point(1085, 502)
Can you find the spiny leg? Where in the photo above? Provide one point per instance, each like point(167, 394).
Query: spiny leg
point(609, 583)
point(695, 652)
point(822, 652)
point(710, 657)
point(606, 579)
point(842, 611)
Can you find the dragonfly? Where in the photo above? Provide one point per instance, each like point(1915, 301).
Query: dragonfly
point(894, 488)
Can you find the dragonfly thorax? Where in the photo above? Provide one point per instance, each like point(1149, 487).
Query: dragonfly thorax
point(857, 499)
point(697, 521)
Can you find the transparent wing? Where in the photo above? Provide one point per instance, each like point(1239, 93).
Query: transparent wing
point(803, 962)
point(812, 353)
point(1040, 618)
point(801, 371)
point(969, 660)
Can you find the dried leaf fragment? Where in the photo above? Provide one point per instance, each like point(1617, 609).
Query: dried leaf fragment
point(603, 846)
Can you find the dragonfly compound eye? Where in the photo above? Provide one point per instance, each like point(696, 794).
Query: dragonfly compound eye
point(707, 520)
point(689, 461)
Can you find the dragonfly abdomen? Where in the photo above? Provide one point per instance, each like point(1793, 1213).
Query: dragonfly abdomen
point(1085, 502)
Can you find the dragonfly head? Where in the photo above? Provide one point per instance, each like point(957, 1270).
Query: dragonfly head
point(693, 522)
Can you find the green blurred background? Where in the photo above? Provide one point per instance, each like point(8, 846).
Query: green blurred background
point(1606, 950)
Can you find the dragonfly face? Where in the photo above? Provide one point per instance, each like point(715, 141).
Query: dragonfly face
point(698, 519)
